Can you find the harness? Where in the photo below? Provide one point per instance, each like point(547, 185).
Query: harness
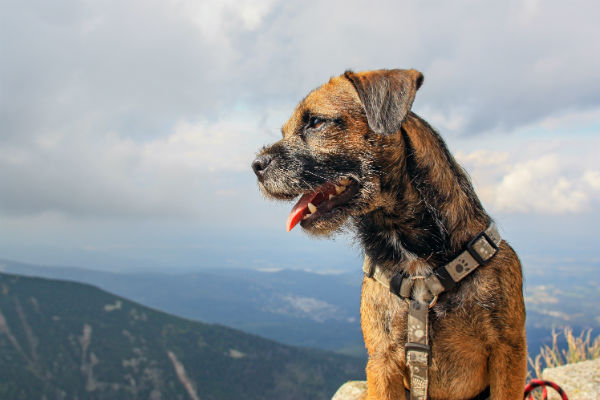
point(481, 249)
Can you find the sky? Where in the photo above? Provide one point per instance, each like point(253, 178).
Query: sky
point(127, 128)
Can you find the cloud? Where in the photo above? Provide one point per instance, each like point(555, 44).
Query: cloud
point(212, 17)
point(486, 68)
point(138, 108)
point(224, 145)
point(592, 178)
point(537, 186)
point(108, 175)
point(137, 67)
point(528, 182)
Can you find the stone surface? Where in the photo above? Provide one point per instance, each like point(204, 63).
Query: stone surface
point(580, 381)
point(351, 390)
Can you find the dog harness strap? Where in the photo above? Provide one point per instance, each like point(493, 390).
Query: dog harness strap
point(397, 283)
point(368, 267)
point(443, 278)
point(373, 270)
point(479, 251)
point(484, 245)
point(417, 349)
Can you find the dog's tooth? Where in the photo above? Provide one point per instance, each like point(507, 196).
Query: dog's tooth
point(345, 181)
point(312, 208)
point(331, 196)
point(306, 216)
point(339, 189)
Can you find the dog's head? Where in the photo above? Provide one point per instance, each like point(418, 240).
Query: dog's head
point(333, 149)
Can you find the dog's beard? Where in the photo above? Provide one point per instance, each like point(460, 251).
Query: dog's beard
point(328, 197)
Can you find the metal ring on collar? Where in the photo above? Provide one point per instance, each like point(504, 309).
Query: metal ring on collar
point(433, 301)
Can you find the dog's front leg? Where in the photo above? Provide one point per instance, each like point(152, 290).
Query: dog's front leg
point(385, 379)
point(508, 371)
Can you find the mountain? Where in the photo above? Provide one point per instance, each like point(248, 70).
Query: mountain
point(67, 340)
point(309, 309)
point(290, 306)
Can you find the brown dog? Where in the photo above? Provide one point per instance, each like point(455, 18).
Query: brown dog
point(354, 152)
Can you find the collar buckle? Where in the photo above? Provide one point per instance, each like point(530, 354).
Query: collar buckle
point(482, 248)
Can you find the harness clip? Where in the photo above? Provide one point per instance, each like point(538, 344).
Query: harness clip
point(482, 248)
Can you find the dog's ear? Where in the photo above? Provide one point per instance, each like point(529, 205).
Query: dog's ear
point(387, 96)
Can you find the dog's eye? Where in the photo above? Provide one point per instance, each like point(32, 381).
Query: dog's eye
point(315, 122)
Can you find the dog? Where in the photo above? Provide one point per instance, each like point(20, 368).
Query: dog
point(358, 158)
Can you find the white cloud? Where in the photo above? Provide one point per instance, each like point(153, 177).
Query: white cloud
point(483, 157)
point(537, 186)
point(592, 178)
point(453, 119)
point(215, 17)
point(218, 146)
point(136, 67)
point(526, 181)
point(116, 108)
point(84, 174)
point(574, 119)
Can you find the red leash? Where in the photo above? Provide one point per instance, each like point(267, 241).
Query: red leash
point(536, 383)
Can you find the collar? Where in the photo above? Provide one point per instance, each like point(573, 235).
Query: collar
point(481, 249)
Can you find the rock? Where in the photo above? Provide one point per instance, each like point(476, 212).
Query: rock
point(351, 390)
point(580, 381)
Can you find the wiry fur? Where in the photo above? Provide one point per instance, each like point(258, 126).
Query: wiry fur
point(414, 209)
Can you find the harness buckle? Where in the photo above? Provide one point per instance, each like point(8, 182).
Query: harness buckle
point(482, 248)
point(433, 301)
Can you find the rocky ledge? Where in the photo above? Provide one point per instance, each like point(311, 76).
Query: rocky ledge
point(351, 390)
point(580, 381)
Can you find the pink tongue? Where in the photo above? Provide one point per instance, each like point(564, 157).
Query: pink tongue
point(299, 210)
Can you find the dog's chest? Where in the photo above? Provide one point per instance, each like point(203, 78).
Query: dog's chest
point(452, 335)
point(383, 316)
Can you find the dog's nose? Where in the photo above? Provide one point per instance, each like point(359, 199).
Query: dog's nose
point(260, 164)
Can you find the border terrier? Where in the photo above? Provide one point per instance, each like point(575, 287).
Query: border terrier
point(358, 157)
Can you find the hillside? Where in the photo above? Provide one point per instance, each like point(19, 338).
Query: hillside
point(65, 340)
point(293, 307)
point(314, 310)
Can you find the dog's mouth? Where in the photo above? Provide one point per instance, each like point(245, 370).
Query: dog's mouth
point(322, 202)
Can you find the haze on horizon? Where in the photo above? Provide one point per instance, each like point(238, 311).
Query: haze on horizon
point(127, 128)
